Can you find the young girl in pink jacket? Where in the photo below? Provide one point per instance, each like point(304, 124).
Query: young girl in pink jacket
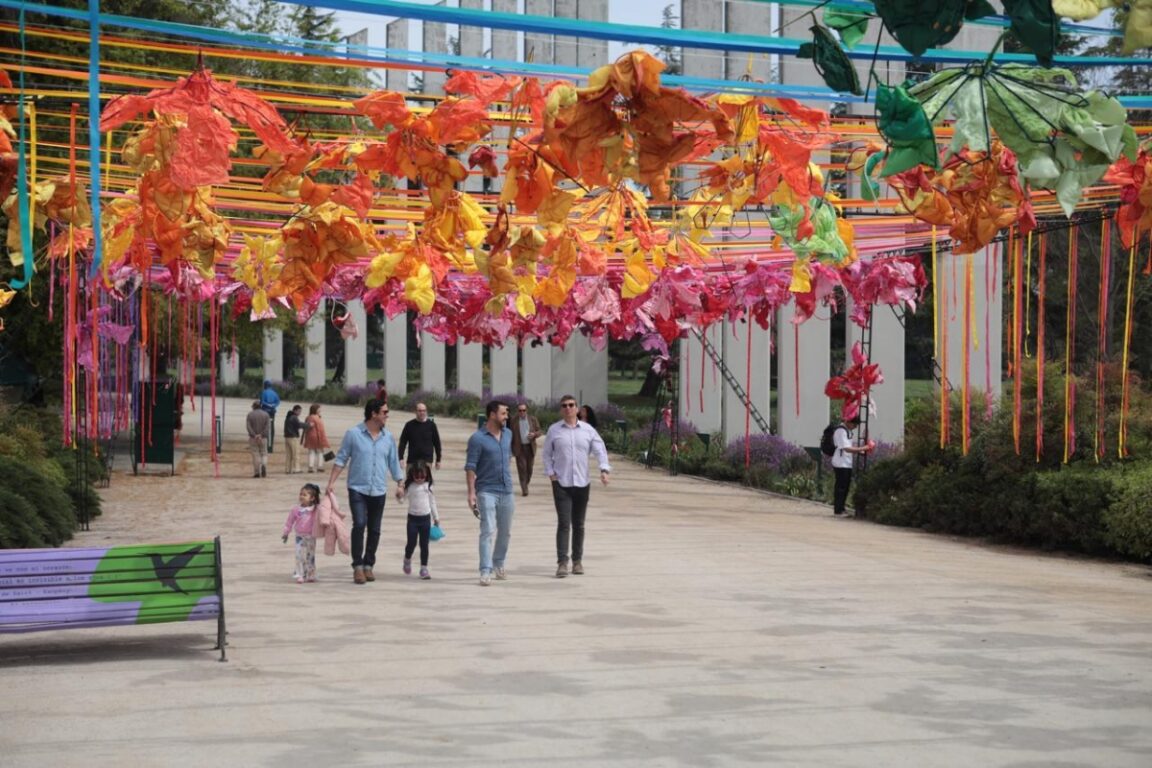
point(300, 519)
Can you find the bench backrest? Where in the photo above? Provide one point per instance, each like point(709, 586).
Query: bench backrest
point(43, 589)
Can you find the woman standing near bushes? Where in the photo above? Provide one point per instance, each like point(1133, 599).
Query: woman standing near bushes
point(315, 438)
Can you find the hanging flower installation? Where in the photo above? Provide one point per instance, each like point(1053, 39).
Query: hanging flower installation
point(184, 150)
point(854, 384)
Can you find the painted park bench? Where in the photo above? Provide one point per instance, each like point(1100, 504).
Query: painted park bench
point(45, 589)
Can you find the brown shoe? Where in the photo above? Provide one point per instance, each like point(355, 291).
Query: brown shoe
point(368, 575)
point(358, 575)
point(561, 570)
point(577, 568)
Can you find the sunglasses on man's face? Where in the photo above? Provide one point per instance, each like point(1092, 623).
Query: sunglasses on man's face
point(567, 405)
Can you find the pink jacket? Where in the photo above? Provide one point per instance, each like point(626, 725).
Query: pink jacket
point(300, 519)
point(330, 526)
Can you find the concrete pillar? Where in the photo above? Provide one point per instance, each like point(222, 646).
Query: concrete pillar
point(229, 368)
point(580, 371)
point(752, 372)
point(356, 349)
point(396, 39)
point(435, 41)
point(703, 15)
point(591, 54)
point(886, 423)
point(432, 376)
point(701, 386)
point(538, 47)
point(750, 19)
point(502, 373)
point(273, 354)
point(472, 38)
point(396, 354)
point(505, 44)
point(978, 327)
point(802, 372)
point(315, 361)
point(537, 365)
point(579, 51)
point(470, 367)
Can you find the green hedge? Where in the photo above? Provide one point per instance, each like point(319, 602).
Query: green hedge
point(1091, 504)
point(41, 483)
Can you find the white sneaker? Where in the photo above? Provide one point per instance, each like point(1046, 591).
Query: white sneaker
point(501, 575)
point(485, 578)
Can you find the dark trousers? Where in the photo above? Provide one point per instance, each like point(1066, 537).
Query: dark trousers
point(418, 526)
point(525, 458)
point(571, 509)
point(367, 513)
point(840, 494)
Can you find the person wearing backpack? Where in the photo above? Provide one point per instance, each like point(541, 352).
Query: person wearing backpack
point(843, 460)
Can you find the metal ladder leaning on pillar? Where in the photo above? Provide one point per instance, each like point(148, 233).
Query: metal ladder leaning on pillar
point(757, 417)
point(861, 463)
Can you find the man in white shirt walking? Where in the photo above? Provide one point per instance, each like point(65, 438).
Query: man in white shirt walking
point(567, 446)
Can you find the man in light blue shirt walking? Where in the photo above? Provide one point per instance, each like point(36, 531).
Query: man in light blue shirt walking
point(567, 446)
point(490, 495)
point(372, 451)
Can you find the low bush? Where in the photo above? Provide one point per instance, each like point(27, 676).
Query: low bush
point(1128, 520)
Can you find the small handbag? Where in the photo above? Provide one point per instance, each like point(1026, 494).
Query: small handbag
point(329, 455)
point(436, 533)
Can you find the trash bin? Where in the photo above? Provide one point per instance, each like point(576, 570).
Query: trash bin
point(154, 433)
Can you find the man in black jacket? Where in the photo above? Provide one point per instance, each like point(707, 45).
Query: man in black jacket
point(420, 439)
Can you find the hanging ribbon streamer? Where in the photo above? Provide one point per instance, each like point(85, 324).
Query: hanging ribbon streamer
point(966, 358)
point(748, 402)
point(1041, 274)
point(991, 286)
point(1102, 338)
point(1018, 320)
point(22, 197)
point(1122, 440)
point(1070, 347)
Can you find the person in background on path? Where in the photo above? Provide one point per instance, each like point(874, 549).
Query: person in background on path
point(588, 415)
point(567, 446)
point(270, 401)
point(525, 431)
point(420, 438)
point(292, 429)
point(381, 390)
point(490, 494)
point(258, 423)
point(422, 513)
point(315, 438)
point(300, 520)
point(372, 451)
point(843, 462)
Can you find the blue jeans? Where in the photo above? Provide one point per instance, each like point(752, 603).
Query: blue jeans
point(367, 512)
point(495, 524)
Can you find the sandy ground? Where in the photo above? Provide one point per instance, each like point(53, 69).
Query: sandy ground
point(715, 626)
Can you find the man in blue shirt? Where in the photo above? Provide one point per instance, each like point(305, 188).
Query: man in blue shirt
point(372, 451)
point(567, 446)
point(490, 494)
point(270, 401)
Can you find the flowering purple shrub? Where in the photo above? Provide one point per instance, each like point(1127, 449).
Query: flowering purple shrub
point(770, 452)
point(643, 433)
point(885, 451)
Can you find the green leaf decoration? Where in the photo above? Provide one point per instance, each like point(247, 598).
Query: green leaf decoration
point(905, 126)
point(1064, 138)
point(922, 24)
point(831, 61)
point(851, 25)
point(1036, 25)
point(824, 243)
